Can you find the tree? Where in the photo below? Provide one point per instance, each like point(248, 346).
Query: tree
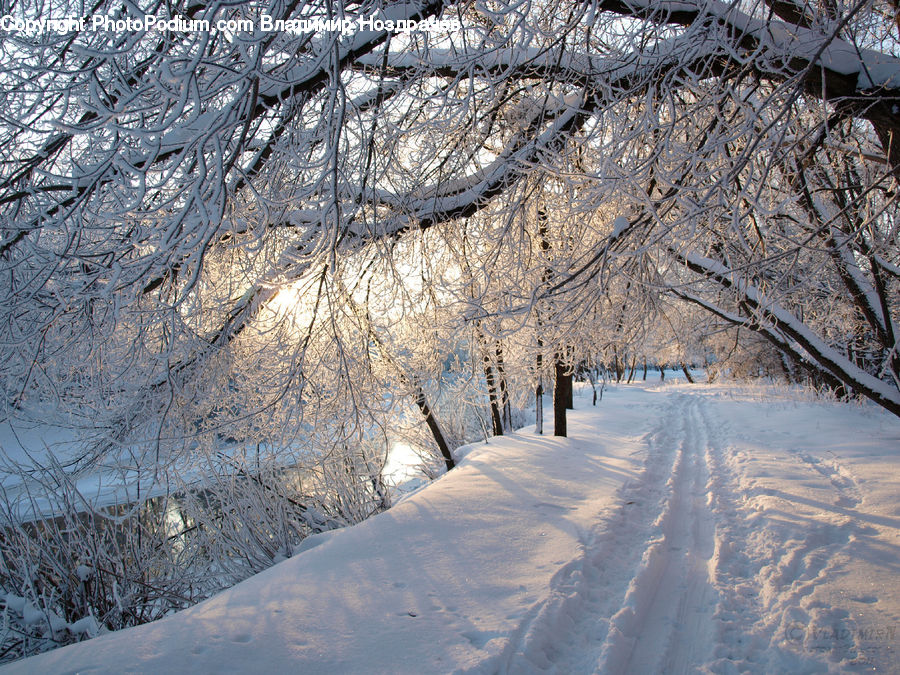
point(199, 146)
point(204, 232)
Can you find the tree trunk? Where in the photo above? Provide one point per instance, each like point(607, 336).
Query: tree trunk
point(539, 407)
point(546, 276)
point(435, 428)
point(684, 370)
point(493, 396)
point(505, 406)
point(496, 421)
point(539, 392)
point(562, 394)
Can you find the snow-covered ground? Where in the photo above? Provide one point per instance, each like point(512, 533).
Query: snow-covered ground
point(679, 528)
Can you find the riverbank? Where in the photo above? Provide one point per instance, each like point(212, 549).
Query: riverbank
point(678, 527)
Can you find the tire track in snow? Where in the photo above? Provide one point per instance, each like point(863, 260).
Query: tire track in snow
point(666, 623)
point(731, 568)
point(698, 569)
point(639, 599)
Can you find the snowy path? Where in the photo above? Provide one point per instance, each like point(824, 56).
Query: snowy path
point(679, 529)
point(657, 548)
point(670, 602)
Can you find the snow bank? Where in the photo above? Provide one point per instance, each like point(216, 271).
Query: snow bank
point(679, 528)
point(439, 582)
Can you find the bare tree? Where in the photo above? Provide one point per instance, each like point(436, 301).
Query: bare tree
point(219, 244)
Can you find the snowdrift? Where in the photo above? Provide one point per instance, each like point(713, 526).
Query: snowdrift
point(678, 528)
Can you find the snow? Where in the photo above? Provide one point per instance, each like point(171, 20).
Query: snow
point(680, 528)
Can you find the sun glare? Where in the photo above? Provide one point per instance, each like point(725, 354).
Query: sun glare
point(286, 301)
point(294, 304)
point(402, 464)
